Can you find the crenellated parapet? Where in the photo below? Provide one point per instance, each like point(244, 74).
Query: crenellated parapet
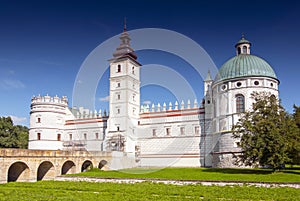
point(48, 99)
point(170, 107)
point(83, 113)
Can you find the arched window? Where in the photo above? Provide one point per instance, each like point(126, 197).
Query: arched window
point(119, 68)
point(58, 137)
point(240, 103)
point(239, 50)
point(132, 69)
point(244, 49)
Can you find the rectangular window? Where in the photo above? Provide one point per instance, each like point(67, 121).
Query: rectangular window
point(119, 96)
point(182, 131)
point(196, 130)
point(118, 111)
point(38, 136)
point(154, 132)
point(85, 136)
point(118, 84)
point(119, 68)
point(58, 137)
point(70, 136)
point(168, 131)
point(97, 136)
point(38, 120)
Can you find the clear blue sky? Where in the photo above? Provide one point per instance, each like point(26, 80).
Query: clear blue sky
point(43, 43)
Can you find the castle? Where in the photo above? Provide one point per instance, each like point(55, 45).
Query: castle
point(180, 134)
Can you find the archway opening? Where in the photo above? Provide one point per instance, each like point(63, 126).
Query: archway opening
point(46, 171)
point(102, 164)
point(18, 171)
point(68, 168)
point(87, 165)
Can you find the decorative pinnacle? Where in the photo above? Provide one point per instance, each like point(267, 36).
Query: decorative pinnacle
point(243, 35)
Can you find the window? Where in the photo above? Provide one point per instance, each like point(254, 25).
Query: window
point(132, 69)
point(196, 130)
point(97, 136)
point(181, 130)
point(38, 136)
point(119, 68)
point(256, 83)
point(168, 131)
point(240, 103)
point(238, 84)
point(118, 111)
point(58, 137)
point(239, 50)
point(70, 136)
point(118, 128)
point(133, 97)
point(85, 136)
point(38, 120)
point(133, 110)
point(244, 49)
point(118, 84)
point(119, 96)
point(154, 132)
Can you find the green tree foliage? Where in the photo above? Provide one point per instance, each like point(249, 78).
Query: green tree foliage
point(12, 136)
point(294, 151)
point(265, 133)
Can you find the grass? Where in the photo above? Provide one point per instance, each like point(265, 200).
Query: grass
point(208, 174)
point(75, 191)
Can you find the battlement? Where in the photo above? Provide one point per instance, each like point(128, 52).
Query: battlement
point(164, 108)
point(83, 113)
point(48, 99)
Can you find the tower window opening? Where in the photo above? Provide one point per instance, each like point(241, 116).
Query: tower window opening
point(118, 128)
point(182, 131)
point(85, 136)
point(239, 50)
point(196, 130)
point(70, 136)
point(118, 84)
point(240, 103)
point(168, 131)
point(132, 69)
point(38, 120)
point(256, 83)
point(58, 137)
point(119, 96)
point(97, 136)
point(244, 49)
point(154, 132)
point(119, 68)
point(118, 111)
point(38, 136)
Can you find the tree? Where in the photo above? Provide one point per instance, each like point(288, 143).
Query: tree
point(265, 133)
point(294, 151)
point(12, 136)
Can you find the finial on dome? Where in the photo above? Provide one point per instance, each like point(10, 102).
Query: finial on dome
point(243, 35)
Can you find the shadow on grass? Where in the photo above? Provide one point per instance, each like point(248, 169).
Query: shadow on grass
point(252, 171)
point(239, 171)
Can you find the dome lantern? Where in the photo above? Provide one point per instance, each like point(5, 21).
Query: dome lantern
point(243, 46)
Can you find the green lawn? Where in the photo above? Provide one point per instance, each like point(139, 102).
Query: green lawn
point(54, 190)
point(211, 174)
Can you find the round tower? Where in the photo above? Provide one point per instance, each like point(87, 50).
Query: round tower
point(237, 79)
point(47, 118)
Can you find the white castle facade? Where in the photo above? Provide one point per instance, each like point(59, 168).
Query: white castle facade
point(180, 134)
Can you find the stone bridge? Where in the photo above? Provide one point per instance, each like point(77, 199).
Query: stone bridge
point(33, 165)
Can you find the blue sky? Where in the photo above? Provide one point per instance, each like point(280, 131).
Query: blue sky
point(44, 43)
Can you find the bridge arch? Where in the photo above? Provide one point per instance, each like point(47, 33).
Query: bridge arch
point(46, 171)
point(101, 164)
point(86, 165)
point(68, 167)
point(18, 171)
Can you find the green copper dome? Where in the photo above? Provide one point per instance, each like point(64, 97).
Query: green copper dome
point(245, 65)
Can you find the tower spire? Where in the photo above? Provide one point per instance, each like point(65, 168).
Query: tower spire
point(125, 28)
point(124, 48)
